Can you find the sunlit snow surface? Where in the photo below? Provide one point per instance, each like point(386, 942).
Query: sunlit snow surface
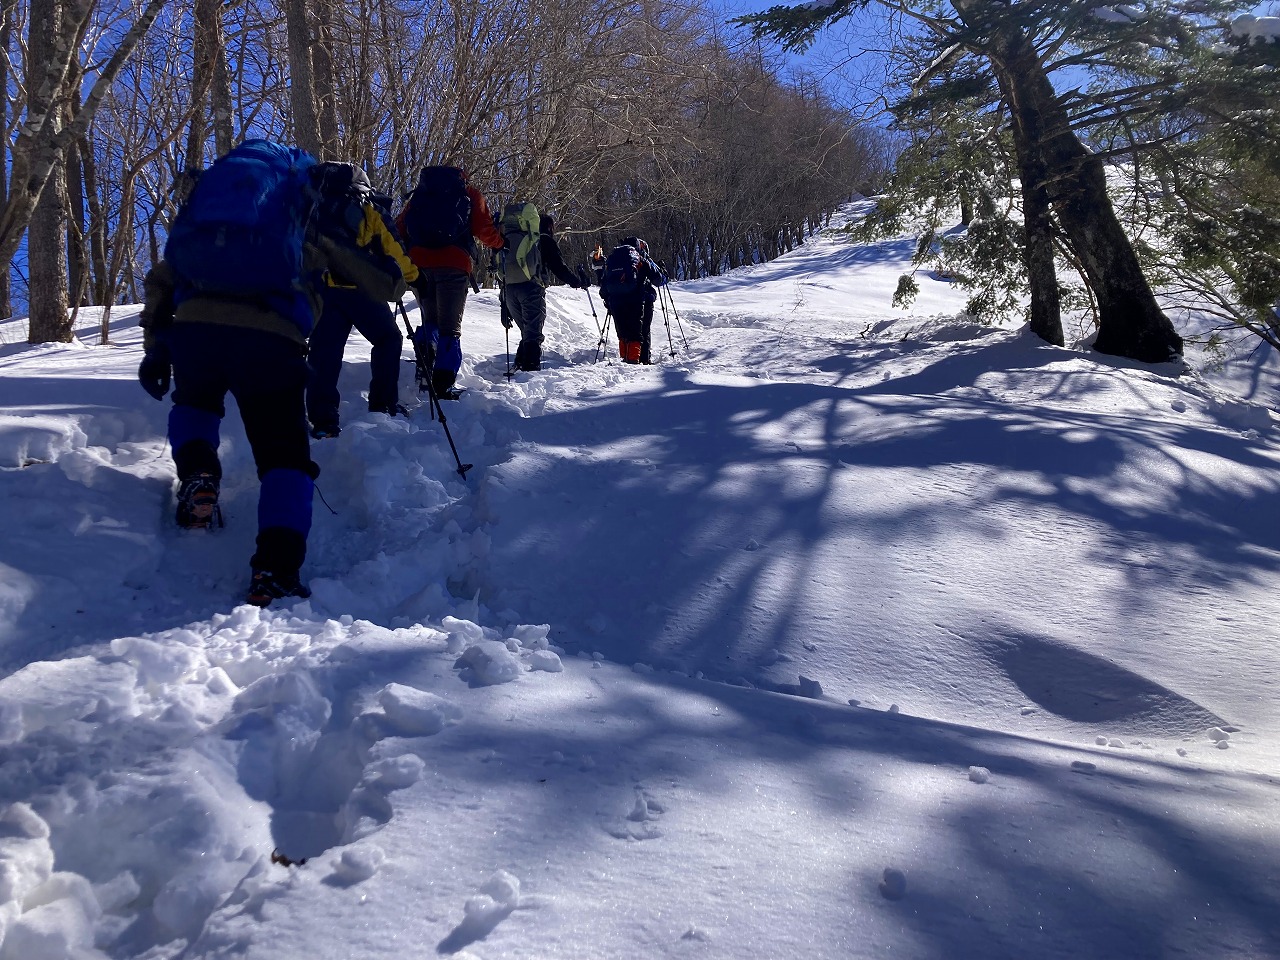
point(840, 633)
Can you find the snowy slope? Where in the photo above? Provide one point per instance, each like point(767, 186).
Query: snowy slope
point(688, 660)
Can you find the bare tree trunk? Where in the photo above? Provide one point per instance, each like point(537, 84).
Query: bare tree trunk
point(40, 143)
point(220, 100)
point(204, 53)
point(7, 10)
point(102, 281)
point(326, 86)
point(46, 236)
point(77, 234)
point(302, 87)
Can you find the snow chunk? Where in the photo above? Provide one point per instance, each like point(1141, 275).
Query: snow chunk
point(490, 662)
point(1218, 734)
point(497, 898)
point(504, 887)
point(395, 773)
point(358, 864)
point(416, 713)
point(157, 663)
point(545, 660)
point(1083, 766)
point(810, 688)
point(979, 774)
point(532, 636)
point(26, 859)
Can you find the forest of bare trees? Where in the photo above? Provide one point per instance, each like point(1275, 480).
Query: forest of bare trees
point(621, 116)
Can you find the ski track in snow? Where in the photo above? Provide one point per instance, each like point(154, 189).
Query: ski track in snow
point(293, 729)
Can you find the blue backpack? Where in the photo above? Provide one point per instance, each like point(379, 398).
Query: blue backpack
point(620, 281)
point(241, 232)
point(439, 212)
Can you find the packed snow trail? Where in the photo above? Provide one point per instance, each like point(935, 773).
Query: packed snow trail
point(993, 616)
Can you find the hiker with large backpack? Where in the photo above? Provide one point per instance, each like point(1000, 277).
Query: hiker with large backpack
point(368, 268)
point(229, 310)
point(628, 291)
point(531, 256)
point(442, 215)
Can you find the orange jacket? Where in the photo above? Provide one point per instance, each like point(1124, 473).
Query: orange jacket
point(482, 228)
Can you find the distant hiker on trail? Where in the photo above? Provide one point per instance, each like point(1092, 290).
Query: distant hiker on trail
point(229, 309)
point(627, 290)
point(438, 222)
point(597, 263)
point(351, 215)
point(530, 257)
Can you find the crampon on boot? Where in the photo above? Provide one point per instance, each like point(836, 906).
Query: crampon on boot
point(267, 586)
point(198, 502)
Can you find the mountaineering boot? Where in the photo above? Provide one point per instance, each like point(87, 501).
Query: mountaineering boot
point(390, 409)
point(198, 502)
point(267, 586)
point(452, 393)
point(528, 357)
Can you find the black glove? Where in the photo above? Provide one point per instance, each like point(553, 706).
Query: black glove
point(505, 317)
point(155, 371)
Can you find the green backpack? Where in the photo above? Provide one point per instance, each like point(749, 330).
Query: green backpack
point(521, 260)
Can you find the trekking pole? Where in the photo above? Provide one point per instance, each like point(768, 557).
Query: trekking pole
point(582, 276)
point(437, 410)
point(666, 322)
point(504, 316)
point(665, 287)
point(422, 368)
point(604, 338)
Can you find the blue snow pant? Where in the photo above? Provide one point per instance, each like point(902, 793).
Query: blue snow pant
point(346, 308)
point(267, 375)
point(442, 297)
point(526, 303)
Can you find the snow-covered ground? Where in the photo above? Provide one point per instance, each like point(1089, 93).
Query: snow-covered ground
point(840, 633)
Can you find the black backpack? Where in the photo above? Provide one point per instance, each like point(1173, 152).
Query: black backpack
point(345, 192)
point(620, 281)
point(439, 212)
point(344, 188)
